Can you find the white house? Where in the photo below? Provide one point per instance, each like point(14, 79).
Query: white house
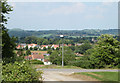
point(32, 45)
point(46, 62)
point(46, 46)
point(55, 46)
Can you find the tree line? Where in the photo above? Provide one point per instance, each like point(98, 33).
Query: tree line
point(46, 41)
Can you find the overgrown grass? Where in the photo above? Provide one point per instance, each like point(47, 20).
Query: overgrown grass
point(102, 76)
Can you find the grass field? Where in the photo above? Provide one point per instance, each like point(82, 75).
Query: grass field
point(44, 35)
point(102, 76)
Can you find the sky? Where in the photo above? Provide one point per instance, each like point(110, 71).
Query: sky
point(63, 15)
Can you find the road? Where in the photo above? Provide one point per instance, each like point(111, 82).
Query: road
point(64, 74)
point(58, 76)
point(80, 70)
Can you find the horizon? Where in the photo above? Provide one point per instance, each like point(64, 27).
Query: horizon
point(59, 30)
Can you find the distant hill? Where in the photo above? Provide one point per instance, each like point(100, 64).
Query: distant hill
point(53, 33)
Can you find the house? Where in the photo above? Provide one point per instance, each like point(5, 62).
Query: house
point(28, 57)
point(35, 52)
point(55, 46)
point(18, 47)
point(63, 45)
point(38, 57)
point(46, 62)
point(46, 46)
point(21, 46)
point(35, 57)
point(38, 46)
point(32, 45)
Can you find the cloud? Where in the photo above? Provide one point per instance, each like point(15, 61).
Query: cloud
point(99, 11)
point(69, 9)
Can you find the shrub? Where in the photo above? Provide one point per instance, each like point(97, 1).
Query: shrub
point(20, 72)
point(36, 62)
point(84, 62)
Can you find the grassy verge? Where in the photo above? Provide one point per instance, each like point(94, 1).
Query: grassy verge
point(102, 76)
point(55, 67)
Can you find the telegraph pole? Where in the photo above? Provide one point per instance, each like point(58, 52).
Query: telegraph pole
point(61, 36)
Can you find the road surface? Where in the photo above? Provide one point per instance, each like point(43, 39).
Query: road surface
point(64, 74)
point(58, 76)
point(81, 70)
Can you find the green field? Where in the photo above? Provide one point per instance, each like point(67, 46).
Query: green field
point(44, 35)
point(102, 76)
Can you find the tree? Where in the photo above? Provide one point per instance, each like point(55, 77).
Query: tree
point(72, 48)
point(44, 48)
point(8, 44)
point(69, 56)
point(49, 48)
point(105, 53)
point(56, 56)
point(31, 48)
point(83, 48)
point(26, 47)
point(53, 48)
point(31, 39)
point(45, 42)
point(35, 48)
point(49, 51)
point(57, 48)
point(28, 52)
point(89, 52)
point(20, 52)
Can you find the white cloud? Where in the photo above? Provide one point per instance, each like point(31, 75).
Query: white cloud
point(75, 8)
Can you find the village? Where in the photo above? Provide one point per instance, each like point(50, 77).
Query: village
point(38, 52)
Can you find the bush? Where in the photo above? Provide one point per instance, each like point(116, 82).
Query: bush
point(36, 62)
point(84, 62)
point(20, 72)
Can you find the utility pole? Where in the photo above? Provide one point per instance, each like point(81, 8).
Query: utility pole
point(61, 36)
